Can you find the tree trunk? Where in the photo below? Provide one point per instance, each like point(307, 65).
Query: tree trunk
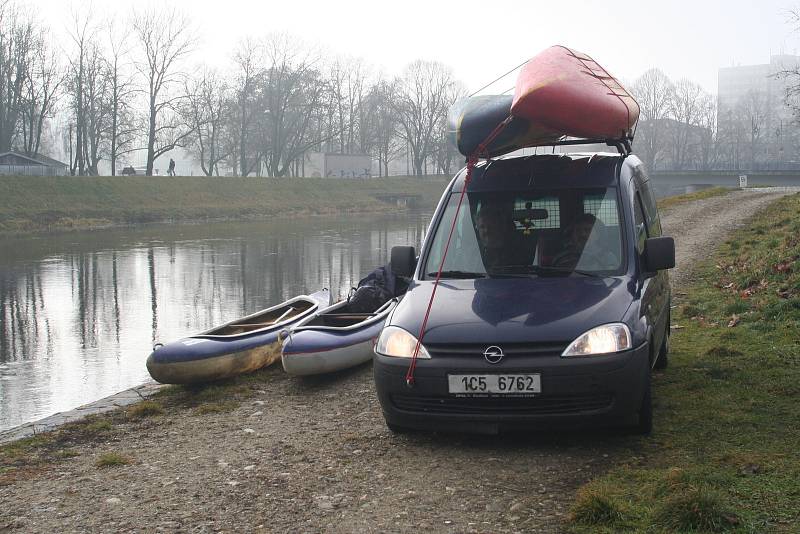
point(151, 138)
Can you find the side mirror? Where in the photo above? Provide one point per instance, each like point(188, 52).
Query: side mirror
point(659, 254)
point(403, 261)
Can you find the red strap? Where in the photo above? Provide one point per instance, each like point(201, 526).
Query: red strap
point(472, 160)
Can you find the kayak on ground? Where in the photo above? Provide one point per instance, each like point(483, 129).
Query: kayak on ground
point(234, 348)
point(333, 339)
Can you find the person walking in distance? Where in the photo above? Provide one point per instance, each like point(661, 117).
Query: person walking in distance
point(171, 168)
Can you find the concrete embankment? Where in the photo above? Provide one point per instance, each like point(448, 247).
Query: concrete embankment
point(39, 203)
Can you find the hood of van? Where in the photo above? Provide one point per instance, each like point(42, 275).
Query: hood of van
point(513, 310)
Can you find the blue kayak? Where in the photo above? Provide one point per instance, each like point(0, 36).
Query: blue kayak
point(333, 339)
point(237, 347)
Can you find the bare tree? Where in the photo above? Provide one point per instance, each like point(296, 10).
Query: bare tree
point(206, 110)
point(17, 35)
point(291, 96)
point(708, 145)
point(753, 112)
point(426, 91)
point(41, 92)
point(248, 80)
point(165, 38)
point(81, 33)
point(791, 73)
point(653, 91)
point(685, 112)
point(347, 88)
point(382, 124)
point(97, 109)
point(122, 127)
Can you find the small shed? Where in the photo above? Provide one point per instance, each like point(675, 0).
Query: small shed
point(18, 164)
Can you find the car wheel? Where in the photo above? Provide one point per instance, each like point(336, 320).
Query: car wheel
point(662, 360)
point(645, 425)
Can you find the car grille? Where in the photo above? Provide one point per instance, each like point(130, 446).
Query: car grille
point(541, 405)
point(509, 349)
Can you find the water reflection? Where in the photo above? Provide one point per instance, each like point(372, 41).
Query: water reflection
point(80, 312)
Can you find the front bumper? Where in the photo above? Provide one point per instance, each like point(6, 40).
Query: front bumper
point(576, 392)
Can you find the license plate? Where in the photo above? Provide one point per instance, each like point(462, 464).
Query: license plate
point(495, 384)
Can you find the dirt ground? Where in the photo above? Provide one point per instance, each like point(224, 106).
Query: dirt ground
point(315, 456)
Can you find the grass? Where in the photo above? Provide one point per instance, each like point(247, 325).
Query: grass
point(595, 506)
point(217, 407)
point(30, 204)
point(690, 197)
point(112, 459)
point(723, 455)
point(22, 447)
point(146, 408)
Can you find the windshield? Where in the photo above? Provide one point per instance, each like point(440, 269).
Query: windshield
point(533, 233)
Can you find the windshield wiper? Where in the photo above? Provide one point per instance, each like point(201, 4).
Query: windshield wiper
point(540, 270)
point(458, 274)
point(569, 271)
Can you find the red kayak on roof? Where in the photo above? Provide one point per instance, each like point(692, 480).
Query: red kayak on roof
point(567, 91)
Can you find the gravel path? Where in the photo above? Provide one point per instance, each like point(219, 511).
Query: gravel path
point(699, 226)
point(314, 455)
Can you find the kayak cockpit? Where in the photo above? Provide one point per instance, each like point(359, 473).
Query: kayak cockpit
point(269, 319)
point(342, 315)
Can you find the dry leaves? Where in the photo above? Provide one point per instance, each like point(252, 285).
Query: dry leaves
point(784, 267)
point(752, 288)
point(783, 293)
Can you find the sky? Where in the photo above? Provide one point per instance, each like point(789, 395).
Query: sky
point(482, 40)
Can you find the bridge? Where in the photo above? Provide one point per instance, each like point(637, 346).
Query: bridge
point(726, 178)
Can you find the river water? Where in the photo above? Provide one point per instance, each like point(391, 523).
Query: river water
point(80, 312)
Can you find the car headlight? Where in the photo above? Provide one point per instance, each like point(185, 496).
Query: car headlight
point(605, 339)
point(398, 343)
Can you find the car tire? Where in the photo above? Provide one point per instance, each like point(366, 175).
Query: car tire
point(645, 424)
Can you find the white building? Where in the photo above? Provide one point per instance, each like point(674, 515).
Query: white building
point(330, 165)
point(754, 94)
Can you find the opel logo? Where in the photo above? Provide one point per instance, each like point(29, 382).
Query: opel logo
point(493, 354)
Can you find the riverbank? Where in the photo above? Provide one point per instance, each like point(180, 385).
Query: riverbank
point(33, 204)
point(723, 454)
point(267, 452)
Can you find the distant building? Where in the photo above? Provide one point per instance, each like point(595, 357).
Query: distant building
point(330, 165)
point(18, 164)
point(753, 97)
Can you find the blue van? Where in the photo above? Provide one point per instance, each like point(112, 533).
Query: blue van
point(553, 303)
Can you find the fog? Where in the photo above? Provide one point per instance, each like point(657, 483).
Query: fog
point(481, 40)
point(246, 88)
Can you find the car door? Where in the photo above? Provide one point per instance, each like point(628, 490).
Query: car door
point(655, 294)
point(651, 289)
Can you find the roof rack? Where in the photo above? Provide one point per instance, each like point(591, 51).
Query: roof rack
point(622, 144)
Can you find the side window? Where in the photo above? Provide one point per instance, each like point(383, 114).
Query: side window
point(639, 222)
point(650, 209)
